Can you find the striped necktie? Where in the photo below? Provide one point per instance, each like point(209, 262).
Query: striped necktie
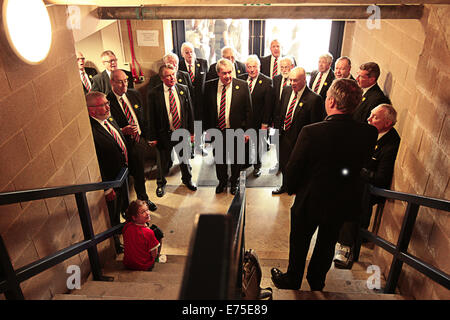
point(284, 82)
point(250, 84)
point(316, 88)
point(275, 67)
point(130, 118)
point(191, 74)
point(288, 119)
point(118, 140)
point(85, 81)
point(222, 122)
point(176, 123)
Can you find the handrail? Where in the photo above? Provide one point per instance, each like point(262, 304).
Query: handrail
point(399, 251)
point(214, 265)
point(10, 279)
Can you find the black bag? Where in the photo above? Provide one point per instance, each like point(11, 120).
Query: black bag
point(251, 279)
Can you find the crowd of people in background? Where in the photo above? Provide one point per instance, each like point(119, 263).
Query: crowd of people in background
point(335, 133)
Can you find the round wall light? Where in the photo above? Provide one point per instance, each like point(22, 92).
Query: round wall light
point(28, 29)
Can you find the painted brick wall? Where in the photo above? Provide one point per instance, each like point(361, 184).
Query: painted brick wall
point(46, 141)
point(414, 58)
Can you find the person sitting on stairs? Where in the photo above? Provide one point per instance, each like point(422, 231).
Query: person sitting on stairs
point(142, 245)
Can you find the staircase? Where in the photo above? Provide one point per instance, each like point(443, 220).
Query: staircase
point(164, 283)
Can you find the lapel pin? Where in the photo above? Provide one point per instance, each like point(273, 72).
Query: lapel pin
point(364, 99)
point(301, 104)
point(181, 92)
point(136, 106)
point(237, 87)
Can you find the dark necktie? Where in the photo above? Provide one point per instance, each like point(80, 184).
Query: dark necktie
point(191, 74)
point(288, 119)
point(250, 84)
point(130, 118)
point(118, 140)
point(316, 88)
point(176, 123)
point(275, 68)
point(85, 81)
point(222, 122)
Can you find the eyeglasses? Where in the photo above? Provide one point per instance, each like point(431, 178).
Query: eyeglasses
point(110, 61)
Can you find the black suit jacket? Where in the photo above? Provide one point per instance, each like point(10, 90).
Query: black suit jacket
point(262, 99)
point(159, 119)
point(324, 168)
point(373, 97)
point(201, 68)
point(239, 66)
point(310, 109)
point(101, 82)
point(380, 168)
point(138, 107)
point(110, 157)
point(326, 84)
point(277, 88)
point(240, 108)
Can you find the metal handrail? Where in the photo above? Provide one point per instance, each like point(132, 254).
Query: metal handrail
point(399, 251)
point(214, 265)
point(10, 279)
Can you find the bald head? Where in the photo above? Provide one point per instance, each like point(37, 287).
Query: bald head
point(119, 82)
point(297, 78)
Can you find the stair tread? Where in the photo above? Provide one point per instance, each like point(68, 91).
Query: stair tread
point(279, 294)
point(130, 290)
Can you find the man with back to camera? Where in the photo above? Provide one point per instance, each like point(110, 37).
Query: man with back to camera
point(324, 174)
point(378, 171)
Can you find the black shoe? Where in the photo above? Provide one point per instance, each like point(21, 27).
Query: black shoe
point(221, 187)
point(190, 185)
point(119, 248)
point(257, 172)
point(281, 280)
point(280, 190)
point(234, 189)
point(160, 191)
point(151, 205)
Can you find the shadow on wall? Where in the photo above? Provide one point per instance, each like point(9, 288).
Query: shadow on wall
point(387, 88)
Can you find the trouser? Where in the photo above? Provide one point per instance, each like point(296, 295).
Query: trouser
point(303, 226)
point(137, 167)
point(115, 207)
point(228, 159)
point(164, 162)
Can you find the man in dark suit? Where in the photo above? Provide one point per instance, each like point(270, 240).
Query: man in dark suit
point(197, 69)
point(112, 154)
point(323, 172)
point(170, 109)
point(238, 68)
point(342, 68)
point(322, 78)
point(261, 93)
point(270, 65)
point(128, 111)
point(182, 77)
point(102, 81)
point(372, 94)
point(299, 107)
point(227, 106)
point(86, 73)
point(279, 83)
point(378, 171)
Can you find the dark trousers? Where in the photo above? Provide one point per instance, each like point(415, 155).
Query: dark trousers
point(137, 165)
point(227, 160)
point(253, 154)
point(164, 162)
point(115, 207)
point(303, 226)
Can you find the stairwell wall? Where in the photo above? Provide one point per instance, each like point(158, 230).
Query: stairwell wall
point(414, 58)
point(46, 141)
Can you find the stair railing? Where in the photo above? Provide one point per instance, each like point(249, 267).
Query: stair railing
point(399, 251)
point(10, 279)
point(214, 265)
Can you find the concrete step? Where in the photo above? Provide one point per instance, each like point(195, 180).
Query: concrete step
point(174, 265)
point(323, 295)
point(104, 290)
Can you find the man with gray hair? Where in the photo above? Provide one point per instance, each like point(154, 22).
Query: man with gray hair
point(324, 174)
point(322, 78)
point(378, 171)
point(238, 68)
point(261, 92)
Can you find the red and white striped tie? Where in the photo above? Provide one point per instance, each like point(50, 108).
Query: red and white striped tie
point(191, 74)
point(316, 88)
point(275, 67)
point(85, 81)
point(118, 140)
point(130, 118)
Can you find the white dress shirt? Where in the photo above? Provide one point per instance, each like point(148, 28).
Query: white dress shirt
point(322, 81)
point(299, 95)
point(177, 100)
point(228, 97)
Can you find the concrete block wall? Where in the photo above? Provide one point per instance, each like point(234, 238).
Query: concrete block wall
point(46, 141)
point(414, 58)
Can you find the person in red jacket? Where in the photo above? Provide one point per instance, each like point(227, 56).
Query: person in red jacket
point(141, 246)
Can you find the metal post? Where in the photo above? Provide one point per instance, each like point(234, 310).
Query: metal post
point(88, 231)
point(13, 291)
point(402, 246)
